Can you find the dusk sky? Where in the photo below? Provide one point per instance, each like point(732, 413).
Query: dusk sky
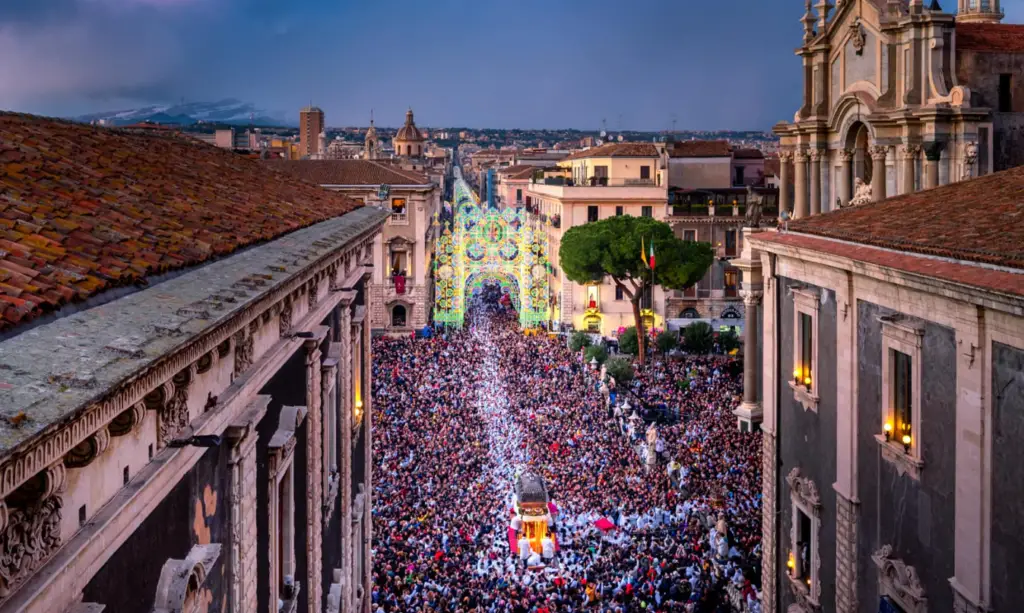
point(479, 63)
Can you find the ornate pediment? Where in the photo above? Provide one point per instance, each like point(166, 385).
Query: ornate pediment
point(804, 491)
point(899, 581)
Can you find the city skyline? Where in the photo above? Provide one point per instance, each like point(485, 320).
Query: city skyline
point(720, 66)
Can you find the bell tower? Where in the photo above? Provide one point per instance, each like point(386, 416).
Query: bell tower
point(979, 11)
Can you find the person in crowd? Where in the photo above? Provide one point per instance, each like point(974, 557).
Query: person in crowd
point(458, 415)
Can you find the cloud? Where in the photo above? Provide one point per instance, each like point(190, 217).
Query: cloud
point(98, 51)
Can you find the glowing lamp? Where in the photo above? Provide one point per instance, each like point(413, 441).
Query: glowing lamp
point(906, 443)
point(791, 562)
point(796, 373)
point(807, 380)
point(887, 428)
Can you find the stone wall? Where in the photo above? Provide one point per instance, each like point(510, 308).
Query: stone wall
point(916, 518)
point(980, 72)
point(1007, 476)
point(806, 439)
point(195, 512)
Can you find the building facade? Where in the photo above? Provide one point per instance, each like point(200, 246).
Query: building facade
point(401, 285)
point(311, 129)
point(707, 202)
point(892, 390)
point(203, 444)
point(614, 179)
point(900, 96)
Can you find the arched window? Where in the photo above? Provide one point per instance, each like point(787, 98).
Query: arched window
point(408, 149)
point(398, 316)
point(690, 313)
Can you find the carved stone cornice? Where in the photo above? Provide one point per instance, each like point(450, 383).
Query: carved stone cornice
point(846, 155)
point(899, 581)
point(751, 297)
point(817, 155)
point(58, 439)
point(910, 151)
point(785, 156)
point(32, 529)
point(800, 156)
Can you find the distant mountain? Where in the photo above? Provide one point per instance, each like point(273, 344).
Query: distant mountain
point(228, 111)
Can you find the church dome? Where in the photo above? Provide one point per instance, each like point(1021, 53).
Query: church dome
point(409, 132)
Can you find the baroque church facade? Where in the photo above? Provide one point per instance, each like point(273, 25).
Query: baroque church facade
point(900, 96)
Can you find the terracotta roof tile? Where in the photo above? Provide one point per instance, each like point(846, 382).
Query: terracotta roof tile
point(85, 208)
point(519, 171)
point(348, 172)
point(962, 273)
point(747, 154)
point(635, 150)
point(981, 220)
point(990, 37)
point(699, 149)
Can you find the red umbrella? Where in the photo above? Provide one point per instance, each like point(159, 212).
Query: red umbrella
point(604, 524)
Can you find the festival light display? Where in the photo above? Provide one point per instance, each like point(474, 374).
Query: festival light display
point(486, 245)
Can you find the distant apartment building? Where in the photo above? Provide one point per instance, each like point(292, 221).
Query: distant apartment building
point(589, 185)
point(311, 125)
point(230, 138)
point(707, 200)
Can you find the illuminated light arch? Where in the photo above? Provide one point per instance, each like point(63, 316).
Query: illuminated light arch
point(483, 244)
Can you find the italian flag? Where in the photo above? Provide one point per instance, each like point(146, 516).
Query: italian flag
point(650, 258)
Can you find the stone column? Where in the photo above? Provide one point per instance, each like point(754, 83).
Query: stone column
point(242, 436)
point(845, 175)
point(769, 546)
point(909, 153)
point(368, 469)
point(345, 470)
point(314, 477)
point(932, 155)
point(878, 155)
point(751, 299)
point(816, 156)
point(800, 203)
point(785, 158)
point(846, 554)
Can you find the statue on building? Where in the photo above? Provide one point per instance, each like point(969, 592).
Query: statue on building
point(755, 202)
point(861, 193)
point(970, 157)
point(371, 145)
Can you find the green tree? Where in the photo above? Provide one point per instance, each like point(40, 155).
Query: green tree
point(620, 368)
point(666, 342)
point(596, 351)
point(628, 342)
point(728, 340)
point(698, 337)
point(579, 340)
point(611, 248)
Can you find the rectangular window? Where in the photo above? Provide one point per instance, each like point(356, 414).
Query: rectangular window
point(647, 211)
point(592, 214)
point(619, 294)
point(645, 172)
point(902, 392)
point(806, 349)
point(1005, 93)
point(730, 243)
point(739, 175)
point(618, 211)
point(519, 196)
point(804, 546)
point(731, 283)
point(690, 235)
point(398, 211)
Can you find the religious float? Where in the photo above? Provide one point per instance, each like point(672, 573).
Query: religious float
point(531, 534)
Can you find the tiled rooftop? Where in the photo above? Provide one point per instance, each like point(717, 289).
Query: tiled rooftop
point(965, 274)
point(981, 220)
point(637, 150)
point(747, 154)
point(699, 149)
point(84, 209)
point(990, 37)
point(348, 172)
point(519, 171)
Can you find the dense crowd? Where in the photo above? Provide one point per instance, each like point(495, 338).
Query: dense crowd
point(458, 416)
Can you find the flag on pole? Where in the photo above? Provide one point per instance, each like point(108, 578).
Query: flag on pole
point(643, 252)
point(651, 257)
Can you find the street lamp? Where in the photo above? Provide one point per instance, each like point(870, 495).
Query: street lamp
point(593, 362)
